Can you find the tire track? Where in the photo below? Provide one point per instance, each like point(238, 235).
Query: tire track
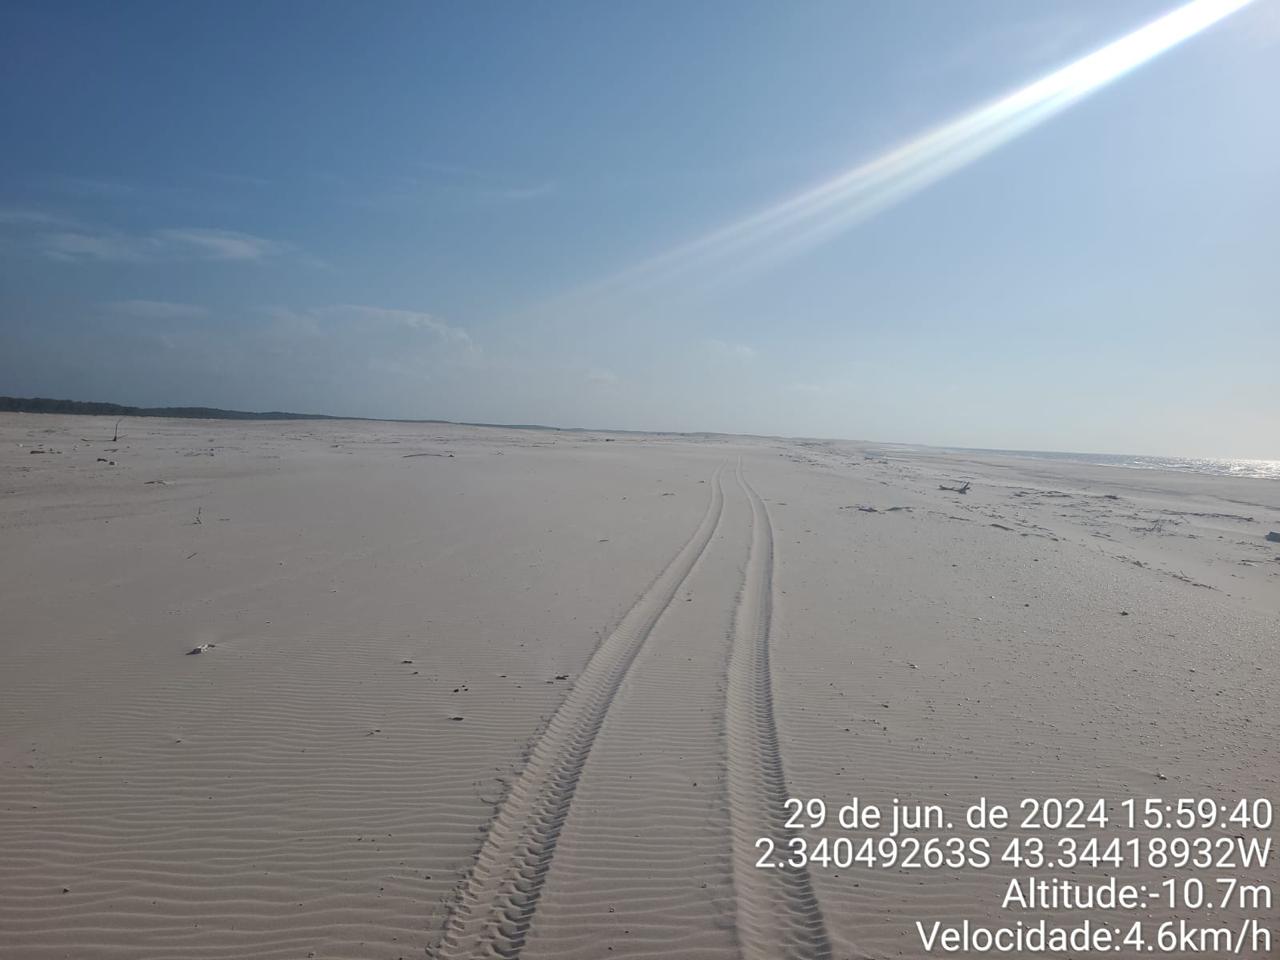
point(778, 914)
point(497, 901)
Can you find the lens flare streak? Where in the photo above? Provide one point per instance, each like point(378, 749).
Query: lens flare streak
point(799, 223)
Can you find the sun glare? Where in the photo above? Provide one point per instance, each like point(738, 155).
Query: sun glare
point(788, 227)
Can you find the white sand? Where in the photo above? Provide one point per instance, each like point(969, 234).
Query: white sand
point(729, 636)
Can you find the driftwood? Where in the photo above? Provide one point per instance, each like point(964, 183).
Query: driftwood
point(963, 488)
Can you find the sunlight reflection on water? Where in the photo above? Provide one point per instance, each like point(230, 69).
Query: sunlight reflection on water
point(1216, 466)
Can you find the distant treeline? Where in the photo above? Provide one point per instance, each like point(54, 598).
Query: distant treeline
point(95, 409)
point(84, 408)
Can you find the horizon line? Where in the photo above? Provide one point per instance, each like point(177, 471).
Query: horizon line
point(125, 411)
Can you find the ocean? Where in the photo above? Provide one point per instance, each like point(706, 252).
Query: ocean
point(1217, 466)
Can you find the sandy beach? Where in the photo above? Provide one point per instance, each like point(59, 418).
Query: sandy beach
point(473, 691)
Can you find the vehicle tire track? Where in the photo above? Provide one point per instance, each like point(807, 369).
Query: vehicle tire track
point(778, 914)
point(497, 901)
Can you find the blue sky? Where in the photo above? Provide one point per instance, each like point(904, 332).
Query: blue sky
point(438, 210)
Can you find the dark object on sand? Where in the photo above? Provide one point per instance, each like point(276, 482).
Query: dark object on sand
point(203, 648)
point(1273, 537)
point(963, 488)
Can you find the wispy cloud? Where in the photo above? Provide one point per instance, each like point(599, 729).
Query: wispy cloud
point(220, 244)
point(317, 321)
point(380, 348)
point(411, 319)
point(69, 239)
point(157, 309)
point(602, 377)
point(178, 243)
point(92, 186)
point(437, 181)
point(78, 245)
point(725, 350)
point(24, 217)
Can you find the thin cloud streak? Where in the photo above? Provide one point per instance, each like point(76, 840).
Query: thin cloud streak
point(158, 310)
point(320, 321)
point(221, 244)
point(25, 217)
point(445, 182)
point(179, 243)
point(601, 377)
point(68, 239)
point(725, 350)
